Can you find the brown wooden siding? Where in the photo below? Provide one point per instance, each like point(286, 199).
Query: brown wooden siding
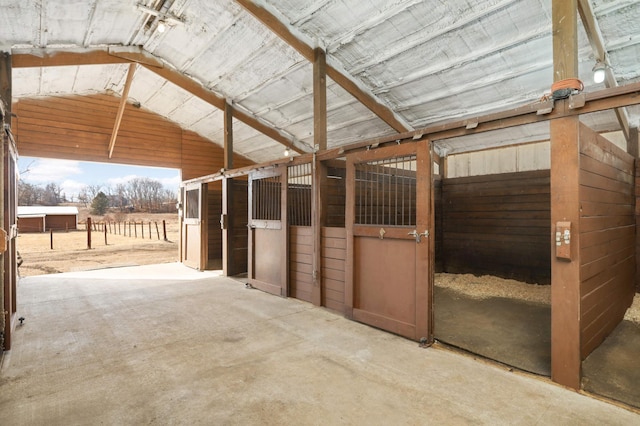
point(607, 237)
point(31, 224)
point(61, 222)
point(79, 128)
point(300, 262)
point(335, 191)
point(334, 251)
point(498, 225)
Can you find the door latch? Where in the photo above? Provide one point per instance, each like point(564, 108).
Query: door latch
point(418, 236)
point(415, 235)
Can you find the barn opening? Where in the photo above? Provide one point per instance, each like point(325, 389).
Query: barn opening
point(492, 287)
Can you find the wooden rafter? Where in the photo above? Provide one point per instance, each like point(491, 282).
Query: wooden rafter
point(344, 81)
point(590, 24)
point(42, 57)
point(123, 103)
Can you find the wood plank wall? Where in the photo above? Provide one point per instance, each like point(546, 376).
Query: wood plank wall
point(334, 251)
point(607, 237)
point(79, 128)
point(336, 192)
point(498, 225)
point(300, 262)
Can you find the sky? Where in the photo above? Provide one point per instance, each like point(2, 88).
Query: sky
point(72, 176)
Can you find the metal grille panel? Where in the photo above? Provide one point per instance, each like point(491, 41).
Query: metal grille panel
point(385, 192)
point(299, 195)
point(266, 198)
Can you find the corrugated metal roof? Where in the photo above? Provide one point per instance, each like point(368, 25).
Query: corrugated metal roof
point(38, 211)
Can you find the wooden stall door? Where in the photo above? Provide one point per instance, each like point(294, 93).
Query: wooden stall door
point(268, 254)
point(389, 244)
point(193, 245)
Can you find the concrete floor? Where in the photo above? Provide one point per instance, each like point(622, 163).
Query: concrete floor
point(165, 344)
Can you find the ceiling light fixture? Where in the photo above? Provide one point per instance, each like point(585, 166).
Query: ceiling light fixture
point(161, 26)
point(287, 152)
point(599, 71)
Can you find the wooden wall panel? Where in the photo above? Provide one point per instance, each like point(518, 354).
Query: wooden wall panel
point(497, 225)
point(79, 128)
point(334, 251)
point(335, 191)
point(300, 262)
point(607, 237)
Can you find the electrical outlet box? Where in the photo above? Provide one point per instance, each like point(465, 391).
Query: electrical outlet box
point(563, 240)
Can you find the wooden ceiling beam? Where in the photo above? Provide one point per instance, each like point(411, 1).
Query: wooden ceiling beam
point(123, 103)
point(591, 27)
point(43, 57)
point(346, 82)
point(601, 100)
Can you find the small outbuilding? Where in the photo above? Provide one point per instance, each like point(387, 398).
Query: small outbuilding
point(44, 218)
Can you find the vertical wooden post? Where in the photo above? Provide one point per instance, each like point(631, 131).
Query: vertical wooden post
point(51, 238)
point(157, 231)
point(88, 232)
point(320, 99)
point(164, 229)
point(142, 228)
point(632, 143)
point(565, 205)
point(135, 228)
point(5, 283)
point(228, 136)
point(319, 181)
point(149, 229)
point(226, 219)
point(319, 216)
point(105, 236)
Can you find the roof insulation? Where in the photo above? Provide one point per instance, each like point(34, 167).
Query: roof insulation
point(427, 61)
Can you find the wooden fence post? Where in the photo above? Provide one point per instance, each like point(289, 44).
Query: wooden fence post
point(157, 231)
point(164, 229)
point(51, 237)
point(149, 229)
point(105, 236)
point(142, 228)
point(135, 228)
point(88, 232)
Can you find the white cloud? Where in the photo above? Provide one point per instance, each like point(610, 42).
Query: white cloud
point(71, 188)
point(171, 183)
point(46, 170)
point(121, 179)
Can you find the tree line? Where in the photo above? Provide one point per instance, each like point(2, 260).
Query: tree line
point(138, 194)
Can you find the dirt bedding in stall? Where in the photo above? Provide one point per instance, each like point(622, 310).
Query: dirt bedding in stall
point(70, 252)
point(485, 286)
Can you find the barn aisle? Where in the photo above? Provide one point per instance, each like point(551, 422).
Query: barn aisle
point(168, 345)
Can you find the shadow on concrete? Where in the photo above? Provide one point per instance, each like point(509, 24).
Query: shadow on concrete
point(513, 332)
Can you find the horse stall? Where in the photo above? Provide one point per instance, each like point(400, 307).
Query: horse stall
point(492, 293)
point(214, 224)
point(503, 234)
